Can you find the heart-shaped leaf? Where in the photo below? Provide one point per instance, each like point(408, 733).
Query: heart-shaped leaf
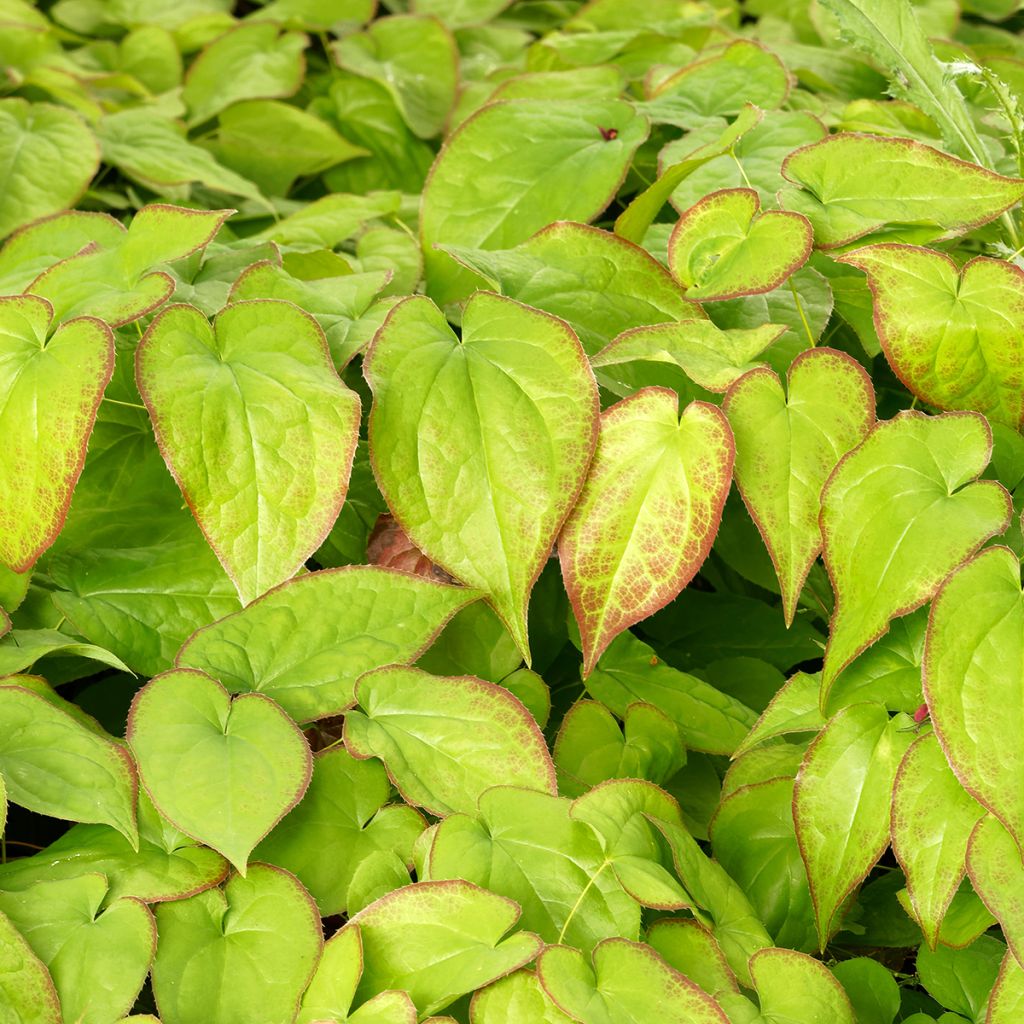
point(954, 336)
point(117, 281)
point(343, 811)
point(307, 642)
point(792, 986)
point(419, 724)
point(25, 984)
point(98, 959)
point(932, 820)
point(724, 246)
point(997, 874)
point(223, 771)
point(257, 395)
point(49, 158)
point(489, 500)
point(923, 193)
point(787, 444)
point(244, 952)
point(439, 940)
point(519, 996)
point(891, 538)
point(627, 984)
point(52, 390)
point(973, 675)
point(54, 764)
point(709, 356)
point(841, 804)
point(651, 465)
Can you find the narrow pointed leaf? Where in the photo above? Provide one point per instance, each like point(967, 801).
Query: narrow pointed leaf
point(898, 514)
point(973, 679)
point(305, 643)
point(952, 335)
point(481, 494)
point(841, 804)
point(793, 709)
point(792, 986)
point(724, 246)
point(257, 395)
point(788, 443)
point(50, 392)
point(445, 740)
point(647, 515)
point(439, 940)
point(997, 874)
point(223, 771)
point(53, 764)
point(932, 820)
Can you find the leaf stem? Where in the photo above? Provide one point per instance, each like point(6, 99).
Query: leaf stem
point(127, 405)
point(800, 310)
point(579, 900)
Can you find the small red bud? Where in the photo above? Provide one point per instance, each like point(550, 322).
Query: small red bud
point(921, 714)
point(608, 133)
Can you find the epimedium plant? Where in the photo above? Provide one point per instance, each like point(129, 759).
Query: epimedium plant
point(510, 512)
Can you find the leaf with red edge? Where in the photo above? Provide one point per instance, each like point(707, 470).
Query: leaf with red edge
point(117, 281)
point(954, 335)
point(792, 986)
point(724, 246)
point(974, 681)
point(50, 392)
point(1006, 1003)
point(256, 427)
point(481, 444)
point(898, 514)
point(647, 515)
point(997, 874)
point(26, 987)
point(787, 444)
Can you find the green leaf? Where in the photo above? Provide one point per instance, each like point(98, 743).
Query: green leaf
point(841, 804)
point(1006, 1002)
point(871, 989)
point(53, 764)
point(651, 466)
point(439, 940)
point(25, 984)
point(415, 59)
point(462, 13)
point(890, 537)
point(599, 283)
point(932, 820)
point(343, 811)
point(223, 771)
point(997, 875)
point(525, 846)
point(22, 648)
point(257, 394)
point(922, 192)
point(331, 220)
point(518, 996)
point(971, 677)
point(787, 444)
point(155, 152)
point(486, 506)
point(951, 335)
point(707, 719)
point(418, 725)
point(116, 282)
point(961, 979)
point(724, 246)
point(792, 986)
point(244, 952)
point(709, 356)
point(306, 643)
point(794, 709)
point(514, 167)
point(691, 949)
point(252, 61)
point(49, 158)
point(52, 392)
point(98, 959)
point(627, 984)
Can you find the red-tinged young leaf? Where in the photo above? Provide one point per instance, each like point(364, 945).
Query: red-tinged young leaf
point(257, 397)
point(647, 515)
point(997, 874)
point(787, 444)
point(932, 820)
point(389, 547)
point(954, 336)
point(792, 986)
point(480, 444)
point(223, 771)
point(898, 514)
point(841, 804)
point(1006, 1003)
point(116, 281)
point(974, 681)
point(25, 985)
point(50, 391)
point(724, 246)
point(445, 740)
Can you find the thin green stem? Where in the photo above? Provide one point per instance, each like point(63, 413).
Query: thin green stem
point(800, 310)
point(127, 405)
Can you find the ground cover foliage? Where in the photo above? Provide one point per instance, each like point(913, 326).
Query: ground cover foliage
point(510, 512)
